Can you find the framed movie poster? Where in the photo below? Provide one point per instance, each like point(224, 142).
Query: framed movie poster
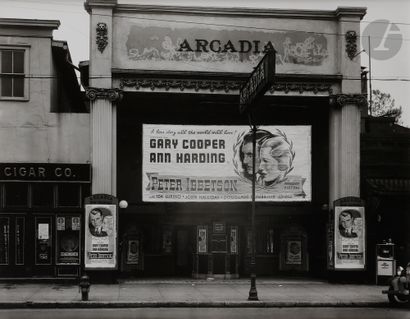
point(133, 252)
point(349, 230)
point(202, 239)
point(234, 240)
point(294, 252)
point(100, 236)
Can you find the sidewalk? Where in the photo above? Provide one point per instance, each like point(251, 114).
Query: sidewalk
point(193, 293)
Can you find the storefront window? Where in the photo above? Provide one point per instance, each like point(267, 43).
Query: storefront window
point(42, 194)
point(68, 240)
point(20, 240)
point(69, 195)
point(16, 194)
point(4, 240)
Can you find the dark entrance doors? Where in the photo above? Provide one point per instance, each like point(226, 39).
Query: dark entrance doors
point(184, 250)
point(26, 245)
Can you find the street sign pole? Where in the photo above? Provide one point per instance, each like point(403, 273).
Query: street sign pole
point(260, 80)
point(253, 293)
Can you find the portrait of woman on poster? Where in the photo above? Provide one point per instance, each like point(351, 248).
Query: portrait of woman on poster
point(275, 158)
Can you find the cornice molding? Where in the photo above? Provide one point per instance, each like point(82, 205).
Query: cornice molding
point(32, 23)
point(358, 12)
point(232, 12)
point(99, 4)
point(341, 100)
point(226, 86)
point(114, 95)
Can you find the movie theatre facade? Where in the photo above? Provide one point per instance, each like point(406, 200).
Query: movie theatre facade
point(167, 135)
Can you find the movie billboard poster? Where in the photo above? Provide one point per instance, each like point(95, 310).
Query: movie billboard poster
point(234, 240)
point(187, 163)
point(294, 252)
point(349, 228)
point(202, 240)
point(100, 236)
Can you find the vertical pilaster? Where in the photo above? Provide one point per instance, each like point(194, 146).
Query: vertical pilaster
point(102, 108)
point(344, 115)
point(344, 148)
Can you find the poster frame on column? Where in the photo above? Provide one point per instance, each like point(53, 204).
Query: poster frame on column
point(110, 203)
point(353, 204)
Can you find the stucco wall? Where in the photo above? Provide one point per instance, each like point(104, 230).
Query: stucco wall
point(28, 131)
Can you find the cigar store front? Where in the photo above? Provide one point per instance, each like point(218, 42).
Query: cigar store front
point(168, 114)
point(41, 218)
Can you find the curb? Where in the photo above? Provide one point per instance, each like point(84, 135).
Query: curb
point(186, 304)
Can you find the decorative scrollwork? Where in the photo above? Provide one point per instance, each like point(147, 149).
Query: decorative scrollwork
point(351, 44)
point(344, 99)
point(102, 38)
point(114, 95)
point(220, 85)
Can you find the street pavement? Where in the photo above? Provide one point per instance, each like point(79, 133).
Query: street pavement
point(192, 293)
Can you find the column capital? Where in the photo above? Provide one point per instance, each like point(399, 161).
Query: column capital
point(344, 99)
point(114, 95)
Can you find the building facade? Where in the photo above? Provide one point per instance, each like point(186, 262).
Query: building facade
point(45, 158)
point(385, 184)
point(167, 136)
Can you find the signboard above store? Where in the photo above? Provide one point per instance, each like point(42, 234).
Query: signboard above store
point(228, 45)
point(258, 82)
point(45, 172)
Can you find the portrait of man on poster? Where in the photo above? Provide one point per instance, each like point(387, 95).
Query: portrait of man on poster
point(96, 223)
point(347, 226)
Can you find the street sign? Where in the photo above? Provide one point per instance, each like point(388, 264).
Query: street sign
point(259, 81)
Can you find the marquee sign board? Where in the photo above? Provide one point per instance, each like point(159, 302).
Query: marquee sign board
point(259, 81)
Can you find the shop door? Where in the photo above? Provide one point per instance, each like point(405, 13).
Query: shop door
point(26, 246)
point(13, 245)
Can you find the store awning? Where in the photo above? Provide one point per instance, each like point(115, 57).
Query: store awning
point(389, 186)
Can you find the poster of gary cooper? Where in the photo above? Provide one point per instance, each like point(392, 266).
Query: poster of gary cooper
point(100, 236)
point(187, 163)
point(349, 237)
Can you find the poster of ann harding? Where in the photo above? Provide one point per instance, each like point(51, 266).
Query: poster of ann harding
point(100, 236)
point(210, 163)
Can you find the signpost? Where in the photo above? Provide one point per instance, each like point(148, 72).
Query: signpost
point(258, 83)
point(260, 80)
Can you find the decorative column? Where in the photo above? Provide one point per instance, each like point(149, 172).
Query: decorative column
point(345, 109)
point(102, 97)
point(103, 137)
point(344, 145)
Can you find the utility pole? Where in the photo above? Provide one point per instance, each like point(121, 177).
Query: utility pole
point(370, 79)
